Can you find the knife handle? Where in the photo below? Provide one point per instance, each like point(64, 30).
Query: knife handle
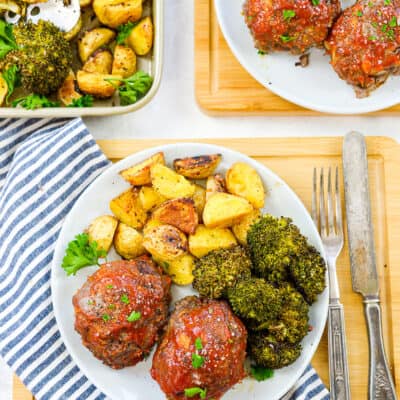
point(380, 379)
point(338, 368)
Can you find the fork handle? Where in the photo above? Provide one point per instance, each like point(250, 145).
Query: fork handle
point(380, 380)
point(338, 368)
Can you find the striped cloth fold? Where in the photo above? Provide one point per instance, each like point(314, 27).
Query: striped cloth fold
point(45, 164)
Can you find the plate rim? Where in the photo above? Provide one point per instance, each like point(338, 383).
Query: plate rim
point(112, 171)
point(293, 98)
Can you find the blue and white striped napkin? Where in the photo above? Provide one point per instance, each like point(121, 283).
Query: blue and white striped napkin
point(44, 167)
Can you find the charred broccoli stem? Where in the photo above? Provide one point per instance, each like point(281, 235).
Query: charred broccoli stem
point(219, 270)
point(256, 301)
point(267, 352)
point(308, 274)
point(43, 57)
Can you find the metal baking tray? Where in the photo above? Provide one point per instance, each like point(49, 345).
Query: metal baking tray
point(152, 64)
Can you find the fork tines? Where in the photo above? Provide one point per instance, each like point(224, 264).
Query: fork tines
point(330, 218)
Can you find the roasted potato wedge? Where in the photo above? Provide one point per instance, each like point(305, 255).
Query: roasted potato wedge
point(128, 208)
point(180, 213)
point(102, 230)
point(243, 180)
point(67, 92)
point(124, 63)
point(92, 40)
point(199, 198)
point(139, 174)
point(117, 12)
point(240, 229)
point(100, 62)
point(215, 184)
point(141, 37)
point(128, 242)
point(150, 198)
point(180, 270)
point(206, 239)
point(74, 31)
point(170, 184)
point(95, 84)
point(151, 223)
point(199, 167)
point(85, 3)
point(165, 242)
point(223, 210)
point(3, 90)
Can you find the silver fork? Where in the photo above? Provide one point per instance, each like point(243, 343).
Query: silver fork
point(331, 230)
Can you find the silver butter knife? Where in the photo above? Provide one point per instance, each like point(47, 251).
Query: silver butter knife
point(363, 263)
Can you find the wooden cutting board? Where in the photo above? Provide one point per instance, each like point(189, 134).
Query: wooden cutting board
point(223, 86)
point(294, 159)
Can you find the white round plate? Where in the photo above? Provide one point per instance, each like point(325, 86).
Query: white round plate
point(316, 87)
point(135, 382)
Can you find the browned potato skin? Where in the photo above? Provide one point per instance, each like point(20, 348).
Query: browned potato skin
point(165, 242)
point(199, 167)
point(85, 3)
point(223, 210)
point(117, 12)
point(128, 242)
point(67, 92)
point(100, 62)
point(93, 40)
point(199, 198)
point(124, 63)
point(215, 184)
point(102, 230)
point(3, 90)
point(206, 239)
point(128, 209)
point(139, 174)
point(74, 31)
point(241, 228)
point(141, 37)
point(180, 213)
point(95, 84)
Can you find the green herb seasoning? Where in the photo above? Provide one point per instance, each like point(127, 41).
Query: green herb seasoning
point(109, 286)
point(261, 373)
point(197, 360)
point(193, 391)
point(315, 2)
point(387, 2)
point(261, 53)
point(125, 299)
point(106, 317)
point(359, 13)
point(286, 38)
point(288, 14)
point(197, 344)
point(134, 316)
point(393, 22)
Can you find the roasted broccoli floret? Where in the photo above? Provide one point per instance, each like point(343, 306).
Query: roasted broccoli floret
point(273, 242)
point(292, 324)
point(279, 252)
point(256, 301)
point(267, 352)
point(219, 270)
point(308, 274)
point(43, 57)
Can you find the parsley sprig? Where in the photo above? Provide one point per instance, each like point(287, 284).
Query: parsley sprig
point(13, 79)
point(133, 88)
point(261, 373)
point(124, 31)
point(81, 253)
point(193, 391)
point(83, 101)
point(34, 101)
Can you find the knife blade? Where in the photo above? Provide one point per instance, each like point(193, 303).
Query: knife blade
point(363, 261)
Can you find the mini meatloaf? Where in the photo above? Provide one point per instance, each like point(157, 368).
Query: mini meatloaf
point(121, 309)
point(202, 351)
point(364, 44)
point(293, 25)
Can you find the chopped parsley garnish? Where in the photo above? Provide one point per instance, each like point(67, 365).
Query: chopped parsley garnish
point(111, 306)
point(374, 24)
point(13, 79)
point(193, 391)
point(371, 4)
point(134, 316)
point(286, 38)
point(261, 373)
point(133, 88)
point(197, 344)
point(197, 360)
point(124, 31)
point(7, 39)
point(125, 299)
point(90, 302)
point(81, 253)
point(359, 13)
point(109, 286)
point(288, 14)
point(390, 34)
point(315, 2)
point(387, 2)
point(393, 22)
point(34, 101)
point(106, 317)
point(372, 38)
point(261, 53)
point(83, 101)
point(384, 28)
